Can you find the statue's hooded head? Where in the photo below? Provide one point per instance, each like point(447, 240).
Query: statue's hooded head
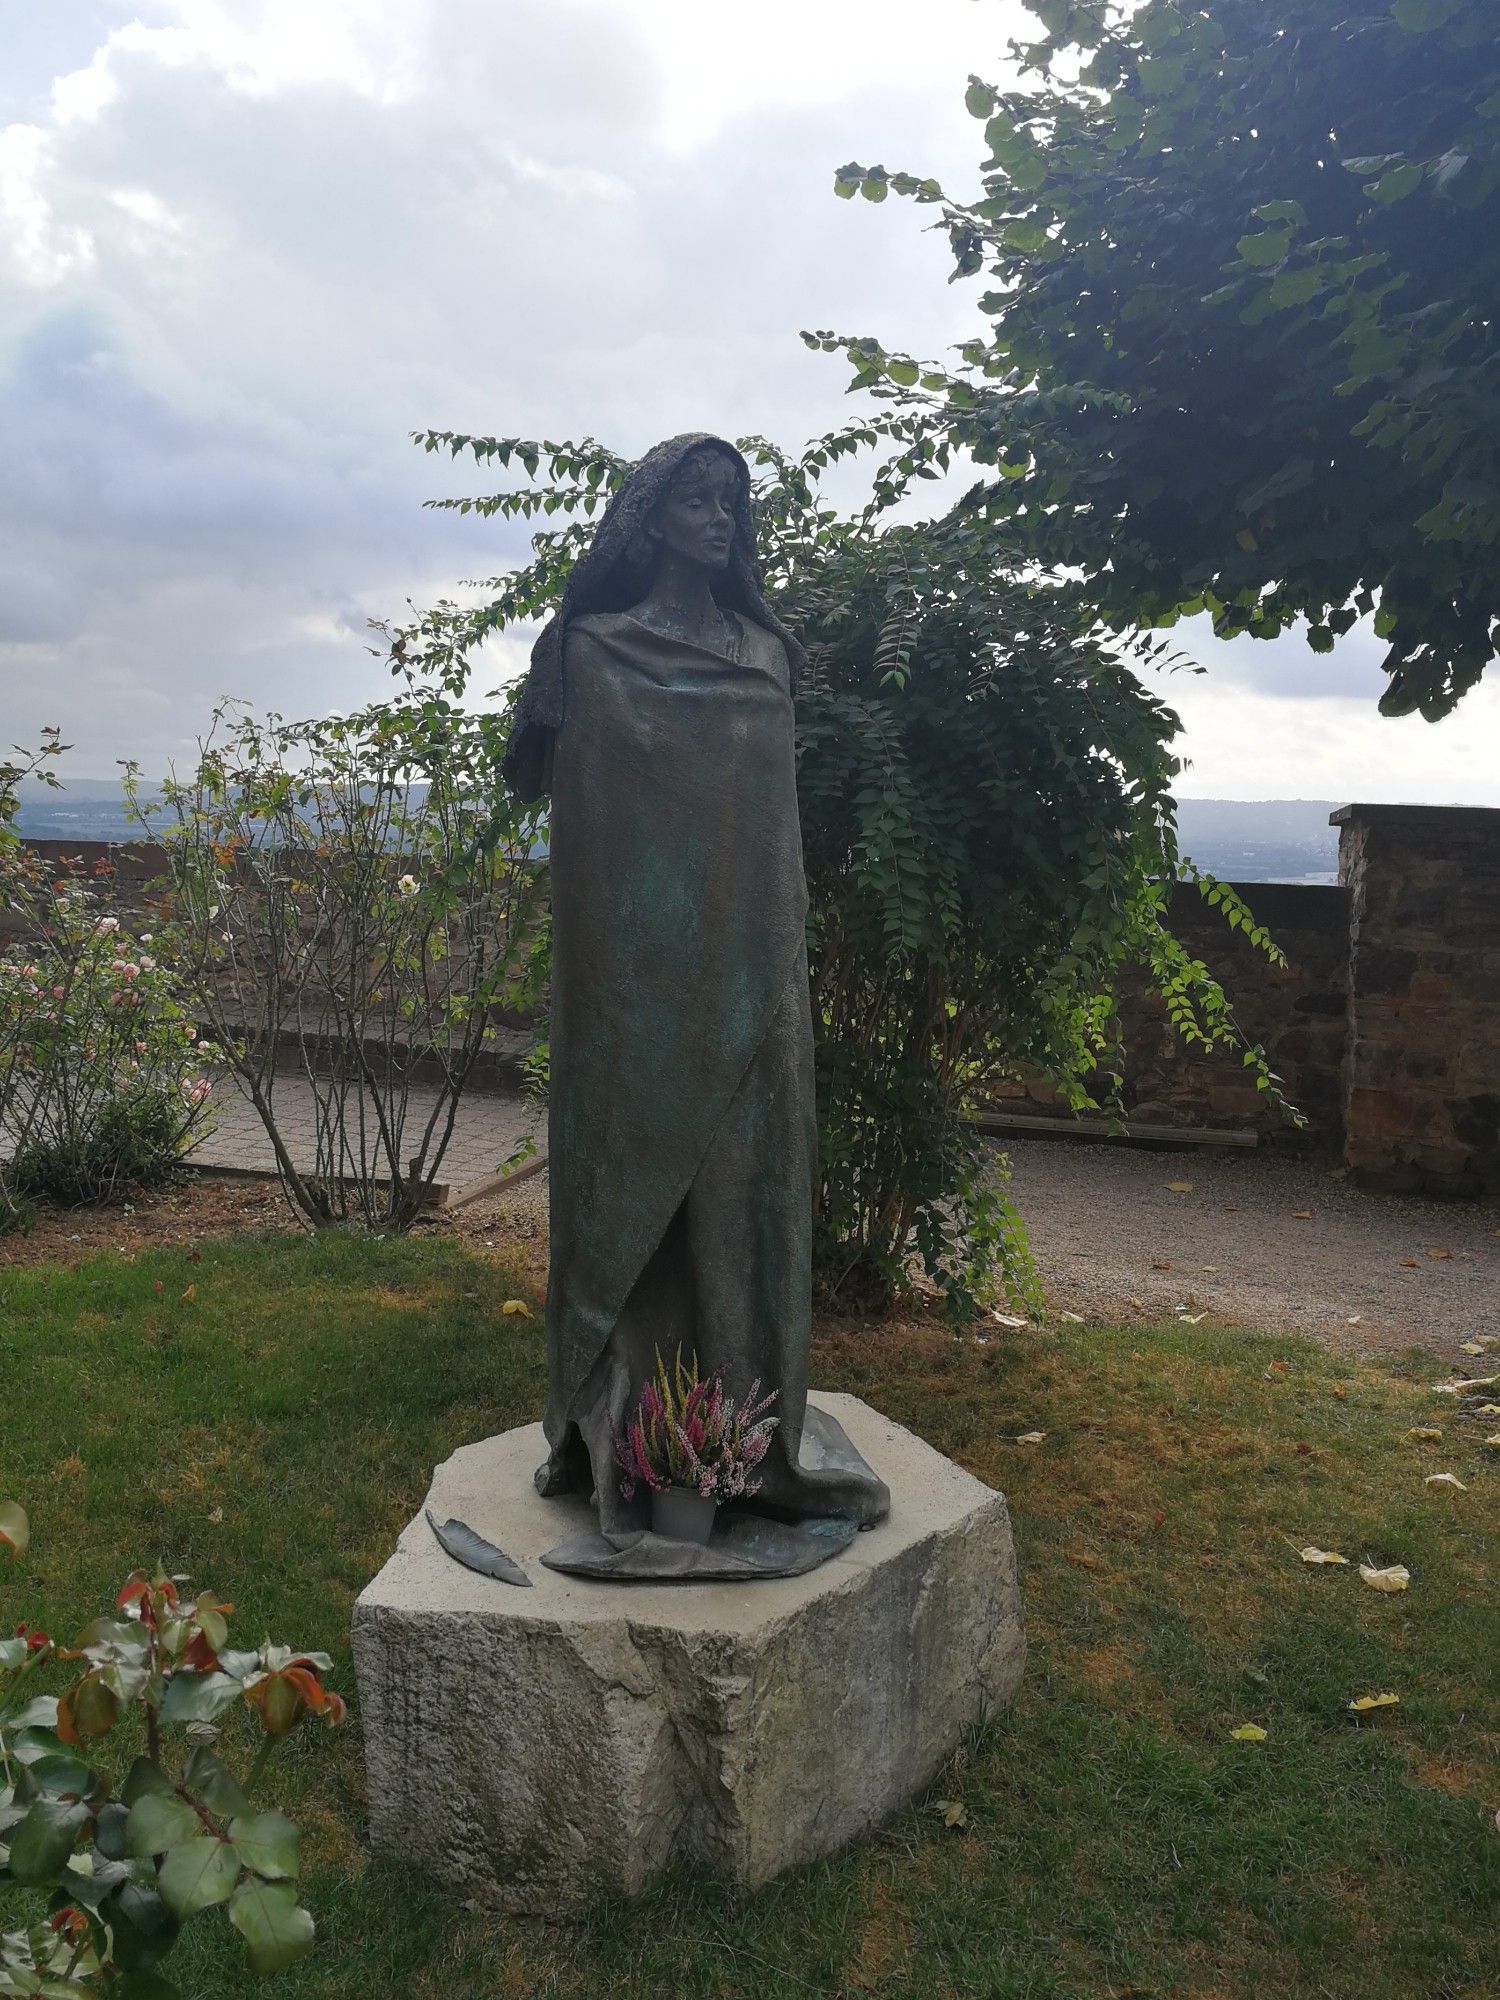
point(615, 571)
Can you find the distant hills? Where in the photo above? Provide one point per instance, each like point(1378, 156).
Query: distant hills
point(1241, 840)
point(85, 809)
point(1260, 840)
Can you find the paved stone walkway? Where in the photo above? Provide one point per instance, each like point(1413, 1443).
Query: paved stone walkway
point(1271, 1243)
point(491, 1125)
point(1244, 1238)
point(1282, 1245)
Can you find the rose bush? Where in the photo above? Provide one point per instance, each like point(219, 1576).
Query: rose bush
point(104, 1082)
point(120, 1856)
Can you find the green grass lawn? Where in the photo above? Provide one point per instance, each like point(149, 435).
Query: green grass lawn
point(271, 1432)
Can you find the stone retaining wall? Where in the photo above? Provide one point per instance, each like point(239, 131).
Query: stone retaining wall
point(1422, 1066)
point(1384, 1026)
point(1297, 1012)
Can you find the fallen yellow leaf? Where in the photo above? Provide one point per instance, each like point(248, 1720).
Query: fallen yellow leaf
point(191, 1292)
point(1302, 1215)
point(1397, 1577)
point(1312, 1554)
point(954, 1812)
point(1073, 1319)
point(1410, 1263)
point(1428, 1433)
point(1139, 1304)
point(1340, 1391)
point(1178, 1187)
point(1494, 1442)
point(1248, 1732)
point(1446, 1479)
point(1362, 1704)
point(1488, 1410)
point(1440, 1253)
point(516, 1309)
point(1471, 1347)
point(1031, 1437)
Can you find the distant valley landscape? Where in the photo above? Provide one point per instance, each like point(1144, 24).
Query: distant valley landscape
point(1240, 840)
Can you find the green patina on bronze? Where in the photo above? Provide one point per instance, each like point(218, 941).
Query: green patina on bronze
point(682, 1133)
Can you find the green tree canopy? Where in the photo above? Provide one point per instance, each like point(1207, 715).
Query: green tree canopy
point(1244, 274)
point(987, 821)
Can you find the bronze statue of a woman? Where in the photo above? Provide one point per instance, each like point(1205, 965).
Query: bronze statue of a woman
point(682, 1139)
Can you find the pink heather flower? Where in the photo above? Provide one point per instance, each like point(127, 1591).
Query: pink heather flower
point(57, 992)
point(688, 1432)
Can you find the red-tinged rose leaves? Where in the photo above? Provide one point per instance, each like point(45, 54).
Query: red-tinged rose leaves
point(200, 1655)
point(212, 1617)
point(133, 1590)
point(309, 1687)
point(87, 1711)
point(284, 1695)
point(278, 1701)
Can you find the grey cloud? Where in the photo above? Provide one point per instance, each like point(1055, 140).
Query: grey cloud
point(207, 478)
point(207, 484)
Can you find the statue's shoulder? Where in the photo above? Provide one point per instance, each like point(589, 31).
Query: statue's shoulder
point(599, 624)
point(764, 649)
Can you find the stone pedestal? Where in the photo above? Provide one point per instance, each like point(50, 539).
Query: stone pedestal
point(534, 1748)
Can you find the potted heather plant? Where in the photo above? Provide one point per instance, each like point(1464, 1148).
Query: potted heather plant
point(693, 1446)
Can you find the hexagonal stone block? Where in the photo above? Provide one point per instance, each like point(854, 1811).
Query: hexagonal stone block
point(534, 1748)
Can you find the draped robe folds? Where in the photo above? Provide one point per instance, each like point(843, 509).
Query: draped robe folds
point(682, 1137)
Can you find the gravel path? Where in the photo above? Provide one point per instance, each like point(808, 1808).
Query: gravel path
point(1113, 1238)
point(1262, 1241)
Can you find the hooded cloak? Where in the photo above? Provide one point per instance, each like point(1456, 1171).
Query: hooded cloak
point(613, 573)
point(681, 1129)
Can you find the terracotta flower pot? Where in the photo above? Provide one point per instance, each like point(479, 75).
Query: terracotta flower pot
point(682, 1515)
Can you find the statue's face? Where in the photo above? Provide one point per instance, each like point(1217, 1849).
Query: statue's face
point(696, 518)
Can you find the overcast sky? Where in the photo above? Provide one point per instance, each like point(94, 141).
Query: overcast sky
point(246, 246)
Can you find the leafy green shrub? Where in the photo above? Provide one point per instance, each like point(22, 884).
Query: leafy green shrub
point(354, 890)
point(134, 1142)
point(987, 826)
point(104, 1083)
point(119, 1858)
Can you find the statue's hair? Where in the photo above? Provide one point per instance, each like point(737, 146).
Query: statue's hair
point(615, 572)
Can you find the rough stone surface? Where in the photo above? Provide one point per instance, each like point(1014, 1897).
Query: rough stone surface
point(1295, 1011)
point(1422, 1066)
point(535, 1748)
